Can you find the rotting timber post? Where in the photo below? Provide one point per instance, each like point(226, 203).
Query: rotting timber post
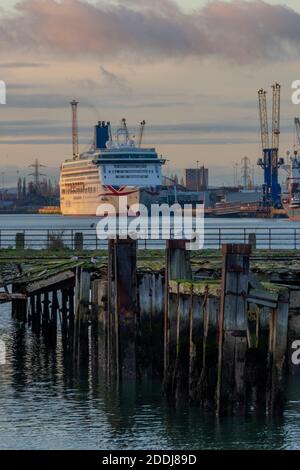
point(176, 321)
point(122, 304)
point(231, 390)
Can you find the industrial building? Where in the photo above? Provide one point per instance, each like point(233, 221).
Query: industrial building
point(196, 179)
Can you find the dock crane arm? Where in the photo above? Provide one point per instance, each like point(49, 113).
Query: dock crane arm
point(263, 115)
point(276, 116)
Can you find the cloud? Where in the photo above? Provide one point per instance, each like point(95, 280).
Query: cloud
point(114, 81)
point(142, 31)
point(21, 65)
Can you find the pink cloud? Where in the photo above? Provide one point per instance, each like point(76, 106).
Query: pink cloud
point(138, 31)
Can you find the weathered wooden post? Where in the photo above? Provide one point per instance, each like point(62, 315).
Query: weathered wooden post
point(82, 317)
point(38, 310)
point(46, 313)
point(64, 314)
point(71, 318)
point(53, 320)
point(151, 309)
point(197, 304)
point(208, 379)
point(178, 267)
point(99, 327)
point(231, 390)
point(32, 312)
point(19, 306)
point(277, 354)
point(123, 305)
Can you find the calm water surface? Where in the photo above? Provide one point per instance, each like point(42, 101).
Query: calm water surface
point(45, 404)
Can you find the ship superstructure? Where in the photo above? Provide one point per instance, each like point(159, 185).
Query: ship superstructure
point(291, 200)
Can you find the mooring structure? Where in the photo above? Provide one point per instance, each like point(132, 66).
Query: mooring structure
point(211, 326)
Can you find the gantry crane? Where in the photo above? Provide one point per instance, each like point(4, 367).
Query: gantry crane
point(270, 161)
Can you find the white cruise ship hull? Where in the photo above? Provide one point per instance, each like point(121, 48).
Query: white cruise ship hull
point(88, 205)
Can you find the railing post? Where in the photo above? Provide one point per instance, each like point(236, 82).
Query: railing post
point(20, 241)
point(78, 241)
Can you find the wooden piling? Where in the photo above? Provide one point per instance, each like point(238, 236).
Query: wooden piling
point(177, 267)
point(277, 360)
point(64, 313)
point(122, 256)
point(99, 326)
point(197, 305)
point(19, 306)
point(151, 318)
point(46, 313)
point(231, 390)
point(208, 378)
point(82, 317)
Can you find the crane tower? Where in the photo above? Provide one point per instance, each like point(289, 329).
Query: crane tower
point(270, 161)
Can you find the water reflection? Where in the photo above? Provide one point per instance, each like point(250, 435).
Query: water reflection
point(48, 403)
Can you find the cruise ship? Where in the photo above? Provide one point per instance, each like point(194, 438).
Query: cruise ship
point(110, 169)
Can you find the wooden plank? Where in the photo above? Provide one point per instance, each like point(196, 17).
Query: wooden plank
point(263, 298)
point(7, 297)
point(50, 283)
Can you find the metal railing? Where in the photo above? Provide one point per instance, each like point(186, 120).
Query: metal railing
point(41, 239)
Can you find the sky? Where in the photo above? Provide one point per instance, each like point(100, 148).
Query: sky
point(190, 68)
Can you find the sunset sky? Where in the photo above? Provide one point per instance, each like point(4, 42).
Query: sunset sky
point(190, 68)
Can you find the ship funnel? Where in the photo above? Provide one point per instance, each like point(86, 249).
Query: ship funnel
point(102, 134)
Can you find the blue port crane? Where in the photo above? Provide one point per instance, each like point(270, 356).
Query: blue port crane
point(270, 161)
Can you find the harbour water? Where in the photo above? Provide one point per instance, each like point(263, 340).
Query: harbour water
point(47, 404)
point(270, 233)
